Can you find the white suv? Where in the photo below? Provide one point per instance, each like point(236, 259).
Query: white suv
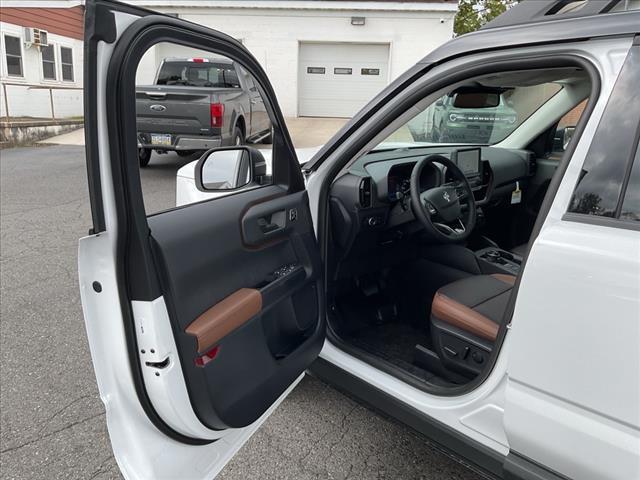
point(487, 295)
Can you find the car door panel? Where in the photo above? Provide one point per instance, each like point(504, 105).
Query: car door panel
point(234, 388)
point(579, 403)
point(201, 319)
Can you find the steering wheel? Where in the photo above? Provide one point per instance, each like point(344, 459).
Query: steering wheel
point(440, 209)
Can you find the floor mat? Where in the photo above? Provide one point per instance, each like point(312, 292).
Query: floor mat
point(395, 343)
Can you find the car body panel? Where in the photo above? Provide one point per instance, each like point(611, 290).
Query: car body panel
point(607, 55)
point(139, 448)
point(154, 429)
point(579, 394)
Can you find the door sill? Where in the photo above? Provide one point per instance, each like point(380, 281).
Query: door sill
point(468, 452)
point(397, 372)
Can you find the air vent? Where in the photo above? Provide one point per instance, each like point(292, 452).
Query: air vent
point(365, 192)
point(531, 164)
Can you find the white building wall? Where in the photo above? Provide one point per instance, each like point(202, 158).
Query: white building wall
point(25, 99)
point(273, 36)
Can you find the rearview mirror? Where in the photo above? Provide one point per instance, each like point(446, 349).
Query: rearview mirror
point(476, 98)
point(229, 168)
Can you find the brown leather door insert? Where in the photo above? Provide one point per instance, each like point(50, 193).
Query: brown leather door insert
point(224, 317)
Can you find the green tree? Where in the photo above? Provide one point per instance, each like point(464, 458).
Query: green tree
point(472, 14)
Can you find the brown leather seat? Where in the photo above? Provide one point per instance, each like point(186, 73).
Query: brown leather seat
point(475, 305)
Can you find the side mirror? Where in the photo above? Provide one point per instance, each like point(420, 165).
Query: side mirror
point(229, 168)
point(440, 103)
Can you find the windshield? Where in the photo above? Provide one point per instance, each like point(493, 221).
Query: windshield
point(192, 74)
point(461, 118)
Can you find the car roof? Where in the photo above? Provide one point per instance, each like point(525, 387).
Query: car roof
point(516, 31)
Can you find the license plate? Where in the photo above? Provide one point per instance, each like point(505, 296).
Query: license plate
point(161, 139)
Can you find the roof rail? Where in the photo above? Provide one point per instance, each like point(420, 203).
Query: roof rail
point(531, 11)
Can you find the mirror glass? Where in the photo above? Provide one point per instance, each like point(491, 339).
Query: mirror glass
point(226, 169)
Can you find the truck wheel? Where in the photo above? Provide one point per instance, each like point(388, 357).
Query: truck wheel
point(185, 153)
point(144, 156)
point(238, 138)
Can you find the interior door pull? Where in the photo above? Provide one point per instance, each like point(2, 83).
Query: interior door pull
point(273, 222)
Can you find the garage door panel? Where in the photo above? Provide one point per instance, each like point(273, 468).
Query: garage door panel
point(340, 52)
point(325, 92)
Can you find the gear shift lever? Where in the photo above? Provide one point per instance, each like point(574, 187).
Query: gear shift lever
point(493, 255)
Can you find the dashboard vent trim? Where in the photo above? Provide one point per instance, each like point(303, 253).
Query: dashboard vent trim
point(364, 192)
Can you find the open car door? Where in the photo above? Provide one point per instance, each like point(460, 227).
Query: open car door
point(201, 318)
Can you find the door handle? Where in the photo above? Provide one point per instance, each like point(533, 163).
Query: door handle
point(267, 227)
point(272, 222)
point(156, 94)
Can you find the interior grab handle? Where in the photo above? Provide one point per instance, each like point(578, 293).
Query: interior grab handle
point(272, 222)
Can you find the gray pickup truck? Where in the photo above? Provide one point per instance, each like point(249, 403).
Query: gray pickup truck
point(196, 104)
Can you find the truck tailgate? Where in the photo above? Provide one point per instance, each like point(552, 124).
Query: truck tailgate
point(174, 110)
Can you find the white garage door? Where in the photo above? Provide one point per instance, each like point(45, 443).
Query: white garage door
point(337, 79)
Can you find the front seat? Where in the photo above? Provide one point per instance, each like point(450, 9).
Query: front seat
point(465, 318)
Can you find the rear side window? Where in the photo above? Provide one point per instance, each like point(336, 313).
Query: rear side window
point(631, 202)
point(194, 74)
point(600, 186)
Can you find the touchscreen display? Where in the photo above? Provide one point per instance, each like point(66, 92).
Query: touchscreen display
point(469, 161)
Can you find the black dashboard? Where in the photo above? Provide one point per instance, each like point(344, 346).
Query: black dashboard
point(372, 196)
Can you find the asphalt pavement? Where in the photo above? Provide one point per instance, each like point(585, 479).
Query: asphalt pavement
point(52, 420)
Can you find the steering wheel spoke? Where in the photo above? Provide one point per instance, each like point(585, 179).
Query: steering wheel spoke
point(458, 229)
point(447, 211)
point(461, 190)
point(428, 206)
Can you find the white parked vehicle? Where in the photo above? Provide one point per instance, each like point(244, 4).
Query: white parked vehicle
point(486, 295)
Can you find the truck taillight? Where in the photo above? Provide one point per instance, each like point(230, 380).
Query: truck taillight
point(217, 114)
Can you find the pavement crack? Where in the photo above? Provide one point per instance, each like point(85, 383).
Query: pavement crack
point(80, 201)
point(50, 434)
point(100, 470)
point(60, 411)
point(349, 472)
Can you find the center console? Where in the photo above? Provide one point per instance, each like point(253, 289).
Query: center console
point(501, 260)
